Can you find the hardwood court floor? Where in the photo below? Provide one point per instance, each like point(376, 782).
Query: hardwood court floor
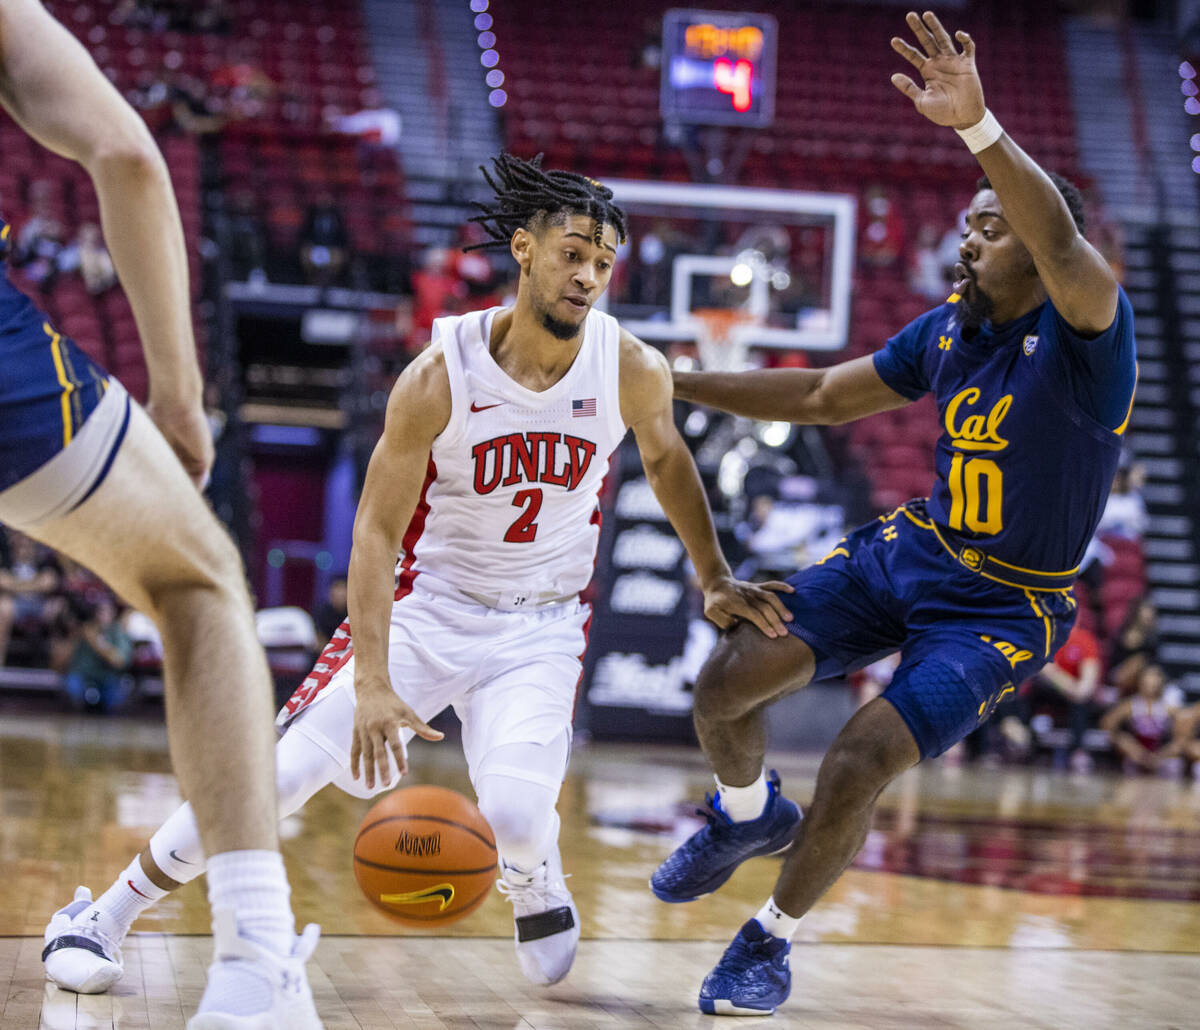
point(1006, 898)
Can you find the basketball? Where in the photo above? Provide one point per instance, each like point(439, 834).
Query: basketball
point(425, 856)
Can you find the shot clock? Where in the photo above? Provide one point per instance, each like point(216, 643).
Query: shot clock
point(718, 68)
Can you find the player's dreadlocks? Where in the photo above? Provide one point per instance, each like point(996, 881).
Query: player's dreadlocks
point(1070, 193)
point(528, 197)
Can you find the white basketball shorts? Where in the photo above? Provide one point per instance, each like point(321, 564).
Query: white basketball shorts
point(511, 677)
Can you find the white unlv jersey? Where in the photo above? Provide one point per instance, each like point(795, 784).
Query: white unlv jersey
point(511, 505)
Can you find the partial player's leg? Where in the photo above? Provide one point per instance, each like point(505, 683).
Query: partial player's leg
point(837, 620)
point(747, 816)
point(517, 739)
point(873, 748)
point(148, 533)
point(84, 939)
point(518, 786)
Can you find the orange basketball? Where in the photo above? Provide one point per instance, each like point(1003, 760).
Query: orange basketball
point(425, 856)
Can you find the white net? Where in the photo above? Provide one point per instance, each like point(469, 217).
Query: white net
point(723, 337)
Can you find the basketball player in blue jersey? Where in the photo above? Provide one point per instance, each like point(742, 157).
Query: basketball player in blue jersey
point(90, 473)
point(1032, 364)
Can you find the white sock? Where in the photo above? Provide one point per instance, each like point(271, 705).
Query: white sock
point(775, 921)
point(254, 884)
point(742, 803)
point(129, 896)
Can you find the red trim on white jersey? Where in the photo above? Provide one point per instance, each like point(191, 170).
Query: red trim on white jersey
point(336, 654)
point(412, 535)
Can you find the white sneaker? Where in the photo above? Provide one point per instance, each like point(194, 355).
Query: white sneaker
point(547, 921)
point(83, 947)
point(291, 998)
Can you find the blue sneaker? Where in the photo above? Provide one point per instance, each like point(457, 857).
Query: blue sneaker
point(710, 855)
point(752, 977)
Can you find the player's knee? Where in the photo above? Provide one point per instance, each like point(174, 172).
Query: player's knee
point(520, 824)
point(725, 687)
point(856, 767)
point(206, 566)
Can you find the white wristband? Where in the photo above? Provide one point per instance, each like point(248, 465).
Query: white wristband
point(982, 134)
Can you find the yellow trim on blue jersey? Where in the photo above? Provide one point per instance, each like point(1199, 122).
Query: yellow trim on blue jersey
point(66, 384)
point(920, 522)
point(1046, 618)
point(77, 383)
point(1120, 430)
point(979, 567)
point(1035, 572)
point(954, 298)
point(5, 231)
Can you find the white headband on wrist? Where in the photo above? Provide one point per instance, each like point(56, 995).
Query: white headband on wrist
point(982, 134)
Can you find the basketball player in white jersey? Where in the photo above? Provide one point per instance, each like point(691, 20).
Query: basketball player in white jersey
point(89, 472)
point(486, 480)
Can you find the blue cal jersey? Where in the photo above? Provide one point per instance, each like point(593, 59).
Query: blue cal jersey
point(1032, 416)
point(48, 386)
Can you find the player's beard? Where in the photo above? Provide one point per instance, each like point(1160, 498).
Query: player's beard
point(974, 307)
point(559, 328)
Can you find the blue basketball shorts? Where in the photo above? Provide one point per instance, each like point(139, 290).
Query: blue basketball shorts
point(62, 419)
point(965, 642)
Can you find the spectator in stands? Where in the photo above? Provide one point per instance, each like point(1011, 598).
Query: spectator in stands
point(333, 610)
point(437, 290)
point(243, 86)
point(1125, 511)
point(927, 275)
point(28, 589)
point(40, 241)
point(1185, 737)
point(194, 109)
point(947, 249)
point(96, 675)
point(1124, 516)
point(324, 241)
point(881, 241)
point(92, 259)
point(247, 238)
point(1135, 645)
point(1140, 726)
point(1072, 678)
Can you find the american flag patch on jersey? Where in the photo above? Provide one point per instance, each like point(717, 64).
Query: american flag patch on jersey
point(585, 408)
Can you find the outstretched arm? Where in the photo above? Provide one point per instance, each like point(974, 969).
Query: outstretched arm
point(672, 474)
point(1078, 280)
point(809, 396)
point(54, 90)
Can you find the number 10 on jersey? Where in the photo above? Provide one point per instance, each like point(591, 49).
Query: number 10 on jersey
point(976, 493)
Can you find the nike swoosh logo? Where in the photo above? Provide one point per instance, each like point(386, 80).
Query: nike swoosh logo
point(136, 891)
point(476, 407)
point(443, 892)
point(178, 859)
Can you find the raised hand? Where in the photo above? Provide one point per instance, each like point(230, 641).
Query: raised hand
point(953, 94)
point(729, 600)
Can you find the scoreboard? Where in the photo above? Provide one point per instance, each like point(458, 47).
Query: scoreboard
point(718, 68)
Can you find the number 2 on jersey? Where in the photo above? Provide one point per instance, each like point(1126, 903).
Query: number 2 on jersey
point(976, 490)
point(524, 530)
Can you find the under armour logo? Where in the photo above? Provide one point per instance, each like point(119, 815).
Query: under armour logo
point(890, 533)
point(96, 916)
point(944, 342)
point(519, 599)
point(1029, 344)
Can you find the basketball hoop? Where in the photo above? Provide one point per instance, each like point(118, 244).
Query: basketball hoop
point(721, 338)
